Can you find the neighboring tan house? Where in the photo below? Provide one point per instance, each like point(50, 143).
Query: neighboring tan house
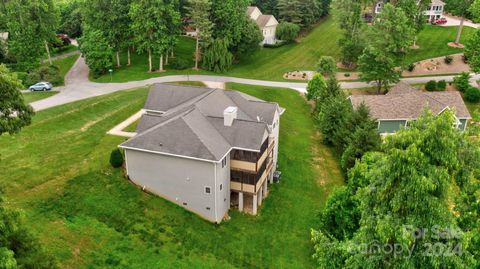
point(201, 148)
point(404, 103)
point(266, 23)
point(434, 10)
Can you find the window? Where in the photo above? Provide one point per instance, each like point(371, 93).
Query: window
point(208, 190)
point(224, 162)
point(208, 208)
point(221, 186)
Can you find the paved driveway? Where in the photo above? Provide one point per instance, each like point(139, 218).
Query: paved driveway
point(78, 87)
point(455, 21)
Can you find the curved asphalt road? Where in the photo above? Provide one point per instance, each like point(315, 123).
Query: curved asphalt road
point(78, 87)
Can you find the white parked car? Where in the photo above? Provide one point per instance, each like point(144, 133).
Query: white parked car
point(41, 86)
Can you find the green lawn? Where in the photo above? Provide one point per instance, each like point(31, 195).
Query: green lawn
point(433, 42)
point(31, 97)
point(65, 65)
point(266, 63)
point(67, 49)
point(89, 216)
point(272, 63)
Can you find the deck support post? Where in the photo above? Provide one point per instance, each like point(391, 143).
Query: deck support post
point(254, 204)
point(265, 189)
point(260, 196)
point(240, 201)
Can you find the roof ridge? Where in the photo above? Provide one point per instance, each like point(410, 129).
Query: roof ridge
point(210, 127)
point(430, 97)
point(151, 129)
point(252, 121)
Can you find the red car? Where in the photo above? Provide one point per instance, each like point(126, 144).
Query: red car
point(439, 21)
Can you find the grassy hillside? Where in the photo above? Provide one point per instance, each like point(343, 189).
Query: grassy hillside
point(89, 216)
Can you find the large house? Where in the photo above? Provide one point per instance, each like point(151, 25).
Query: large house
point(202, 148)
point(404, 103)
point(434, 10)
point(266, 23)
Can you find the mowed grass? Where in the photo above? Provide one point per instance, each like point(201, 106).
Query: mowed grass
point(89, 216)
point(433, 42)
point(265, 63)
point(31, 97)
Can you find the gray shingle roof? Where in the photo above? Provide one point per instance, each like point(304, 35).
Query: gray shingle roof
point(407, 103)
point(192, 124)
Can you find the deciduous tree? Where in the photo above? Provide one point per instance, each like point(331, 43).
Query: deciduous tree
point(96, 50)
point(14, 113)
point(376, 65)
point(404, 190)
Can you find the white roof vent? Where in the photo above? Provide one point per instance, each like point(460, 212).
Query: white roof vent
point(229, 115)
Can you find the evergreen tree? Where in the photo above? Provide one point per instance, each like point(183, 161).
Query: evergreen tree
point(199, 12)
point(401, 192)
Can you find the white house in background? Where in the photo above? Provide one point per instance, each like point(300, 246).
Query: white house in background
point(266, 23)
point(434, 10)
point(202, 148)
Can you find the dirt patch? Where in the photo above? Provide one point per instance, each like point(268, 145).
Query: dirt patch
point(437, 66)
point(456, 45)
point(325, 164)
point(345, 76)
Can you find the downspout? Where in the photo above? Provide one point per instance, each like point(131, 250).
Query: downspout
point(215, 190)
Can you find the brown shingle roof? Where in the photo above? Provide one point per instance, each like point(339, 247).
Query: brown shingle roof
point(263, 20)
point(409, 105)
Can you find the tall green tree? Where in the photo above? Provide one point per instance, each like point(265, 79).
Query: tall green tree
point(472, 51)
point(460, 8)
point(415, 13)
point(229, 19)
point(199, 12)
point(392, 32)
point(349, 16)
point(111, 18)
point(31, 25)
point(376, 65)
point(405, 203)
point(150, 27)
point(96, 50)
point(71, 18)
point(331, 116)
point(290, 11)
point(358, 136)
point(14, 113)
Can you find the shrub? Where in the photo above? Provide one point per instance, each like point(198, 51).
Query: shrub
point(411, 67)
point(472, 95)
point(347, 75)
point(22, 76)
point(179, 64)
point(461, 81)
point(441, 85)
point(277, 44)
point(431, 86)
point(287, 31)
point(116, 158)
point(448, 59)
point(326, 65)
point(49, 73)
point(465, 59)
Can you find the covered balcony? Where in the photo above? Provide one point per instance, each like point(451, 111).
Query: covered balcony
point(249, 161)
